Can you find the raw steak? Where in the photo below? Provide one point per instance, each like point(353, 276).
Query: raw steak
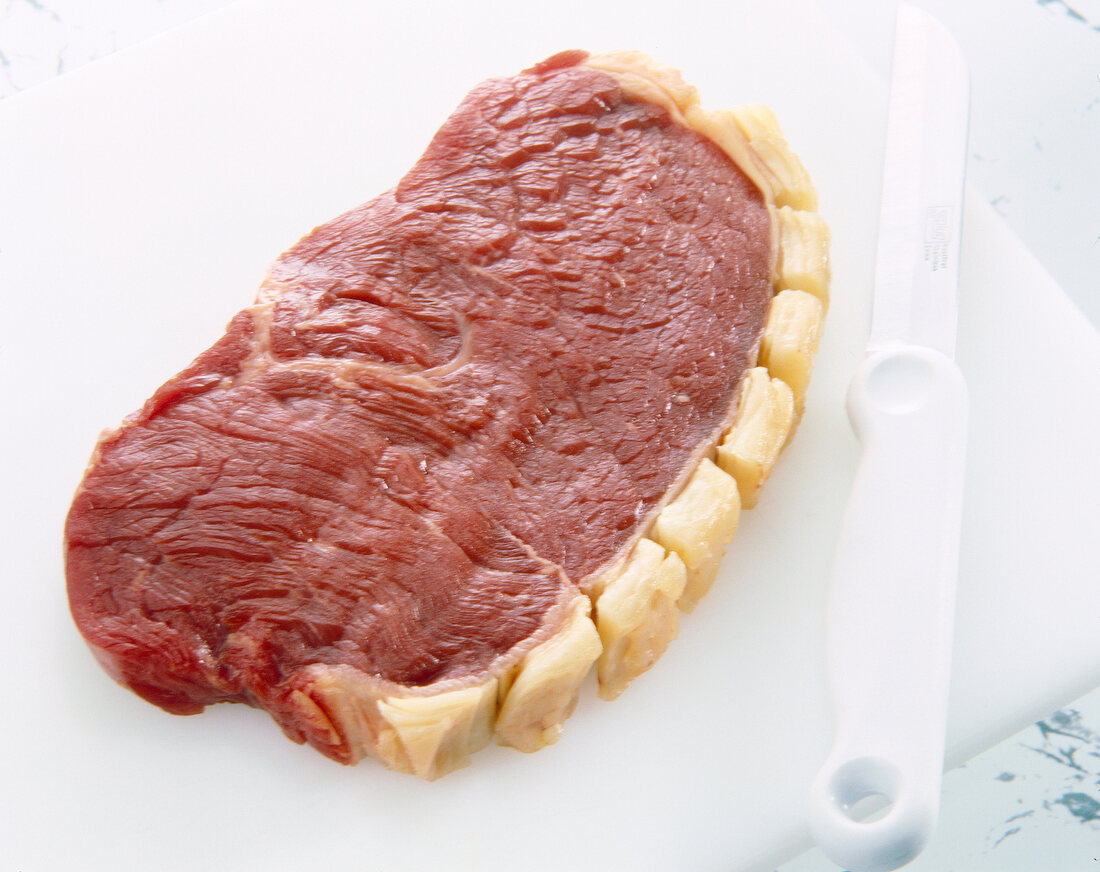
point(380, 506)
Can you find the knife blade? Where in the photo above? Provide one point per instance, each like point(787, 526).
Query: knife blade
point(891, 596)
point(916, 269)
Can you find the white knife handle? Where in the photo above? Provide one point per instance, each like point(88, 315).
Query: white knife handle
point(891, 609)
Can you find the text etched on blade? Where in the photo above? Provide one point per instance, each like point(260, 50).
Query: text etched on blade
point(937, 237)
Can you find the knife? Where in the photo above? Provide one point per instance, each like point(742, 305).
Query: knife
point(892, 592)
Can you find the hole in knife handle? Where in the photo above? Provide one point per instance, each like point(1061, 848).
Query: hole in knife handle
point(865, 788)
point(873, 807)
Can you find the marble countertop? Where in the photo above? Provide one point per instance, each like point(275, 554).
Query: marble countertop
point(1034, 801)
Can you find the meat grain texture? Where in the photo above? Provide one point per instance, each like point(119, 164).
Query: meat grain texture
point(383, 505)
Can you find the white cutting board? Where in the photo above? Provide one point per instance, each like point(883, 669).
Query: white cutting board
point(141, 200)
